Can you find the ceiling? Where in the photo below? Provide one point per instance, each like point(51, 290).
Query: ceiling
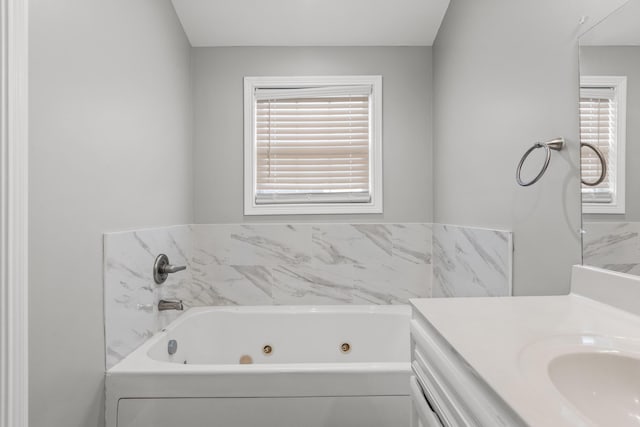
point(621, 28)
point(311, 22)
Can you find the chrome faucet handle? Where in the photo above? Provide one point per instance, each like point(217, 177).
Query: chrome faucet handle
point(170, 305)
point(170, 268)
point(162, 268)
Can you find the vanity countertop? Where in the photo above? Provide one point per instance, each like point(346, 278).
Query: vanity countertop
point(509, 341)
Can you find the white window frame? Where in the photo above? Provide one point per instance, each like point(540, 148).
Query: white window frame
point(617, 205)
point(375, 150)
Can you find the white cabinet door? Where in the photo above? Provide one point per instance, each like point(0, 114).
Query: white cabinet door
point(421, 413)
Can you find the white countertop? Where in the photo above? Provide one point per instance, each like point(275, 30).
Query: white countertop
point(505, 340)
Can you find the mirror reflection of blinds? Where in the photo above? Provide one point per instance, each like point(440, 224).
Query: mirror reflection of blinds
point(313, 145)
point(598, 124)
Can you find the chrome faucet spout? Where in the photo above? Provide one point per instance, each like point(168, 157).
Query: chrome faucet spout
point(170, 305)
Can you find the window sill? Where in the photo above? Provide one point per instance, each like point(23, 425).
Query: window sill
point(602, 208)
point(313, 209)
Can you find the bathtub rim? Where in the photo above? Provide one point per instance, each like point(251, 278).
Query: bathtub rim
point(139, 361)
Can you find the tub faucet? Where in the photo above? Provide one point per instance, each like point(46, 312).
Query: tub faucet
point(162, 268)
point(170, 305)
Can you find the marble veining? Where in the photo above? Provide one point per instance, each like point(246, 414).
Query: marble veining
point(470, 262)
point(313, 263)
point(306, 284)
point(269, 244)
point(612, 245)
point(411, 243)
point(359, 244)
point(234, 285)
point(393, 283)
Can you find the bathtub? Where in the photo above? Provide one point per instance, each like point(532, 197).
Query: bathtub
point(271, 366)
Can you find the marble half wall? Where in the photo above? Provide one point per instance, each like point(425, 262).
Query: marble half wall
point(293, 264)
point(251, 264)
point(471, 262)
point(612, 245)
point(130, 295)
point(256, 264)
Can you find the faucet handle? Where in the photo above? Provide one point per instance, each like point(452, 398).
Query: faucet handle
point(170, 268)
point(162, 268)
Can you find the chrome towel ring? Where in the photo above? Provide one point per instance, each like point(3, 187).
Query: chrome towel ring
point(555, 144)
point(603, 165)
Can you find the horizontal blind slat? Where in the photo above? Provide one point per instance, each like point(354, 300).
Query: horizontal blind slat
point(307, 93)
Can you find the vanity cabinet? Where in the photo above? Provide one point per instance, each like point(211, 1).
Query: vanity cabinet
point(422, 413)
point(445, 390)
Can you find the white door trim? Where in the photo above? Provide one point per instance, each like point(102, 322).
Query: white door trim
point(14, 197)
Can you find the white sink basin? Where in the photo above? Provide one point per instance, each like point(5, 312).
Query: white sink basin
point(605, 387)
point(592, 380)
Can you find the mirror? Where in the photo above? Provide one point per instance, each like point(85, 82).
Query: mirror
point(610, 129)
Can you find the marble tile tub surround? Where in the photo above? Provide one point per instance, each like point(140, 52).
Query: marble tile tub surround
point(245, 264)
point(612, 246)
point(255, 264)
point(471, 262)
point(130, 294)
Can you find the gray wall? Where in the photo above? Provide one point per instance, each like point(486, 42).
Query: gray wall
point(505, 76)
point(110, 149)
point(620, 61)
point(218, 134)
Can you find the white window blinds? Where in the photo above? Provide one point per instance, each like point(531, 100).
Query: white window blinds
point(313, 145)
point(598, 124)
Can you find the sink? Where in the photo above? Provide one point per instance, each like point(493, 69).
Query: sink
point(604, 386)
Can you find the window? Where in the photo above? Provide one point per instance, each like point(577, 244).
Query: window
point(603, 125)
point(313, 145)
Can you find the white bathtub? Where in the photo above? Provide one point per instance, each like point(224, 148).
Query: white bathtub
point(307, 379)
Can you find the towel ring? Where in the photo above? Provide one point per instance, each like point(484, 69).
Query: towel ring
point(603, 165)
point(554, 144)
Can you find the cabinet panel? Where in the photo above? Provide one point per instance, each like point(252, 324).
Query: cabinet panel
point(356, 411)
point(458, 395)
point(422, 415)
